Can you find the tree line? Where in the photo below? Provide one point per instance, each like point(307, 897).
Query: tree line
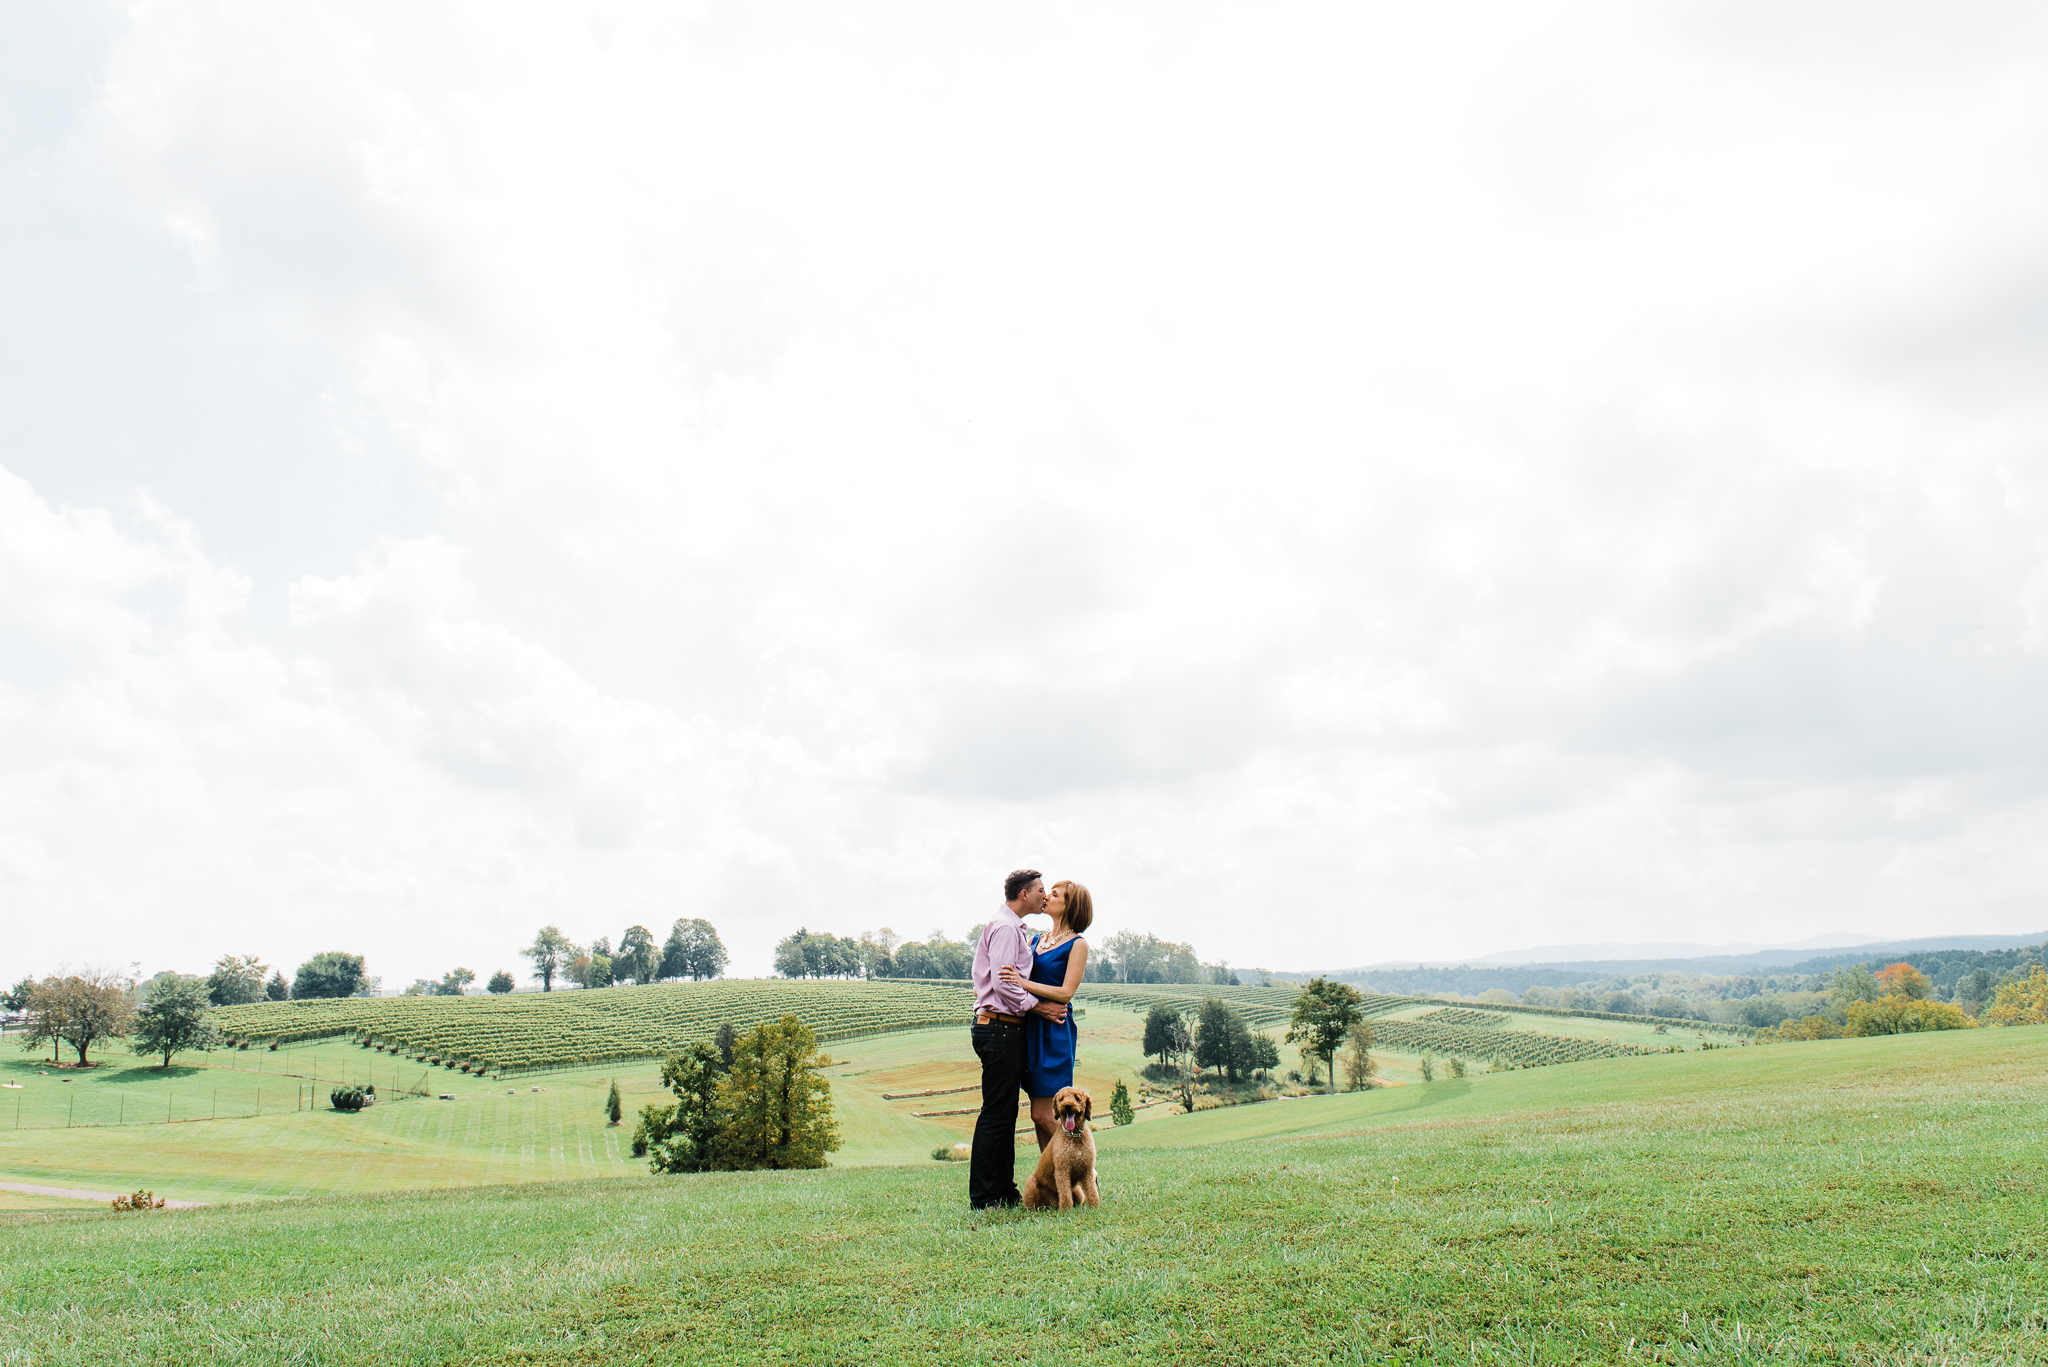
point(692, 950)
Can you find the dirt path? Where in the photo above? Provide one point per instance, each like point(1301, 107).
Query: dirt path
point(106, 1197)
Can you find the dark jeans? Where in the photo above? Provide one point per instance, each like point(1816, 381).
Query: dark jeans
point(992, 1172)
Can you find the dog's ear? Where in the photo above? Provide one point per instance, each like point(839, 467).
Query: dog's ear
point(1087, 1106)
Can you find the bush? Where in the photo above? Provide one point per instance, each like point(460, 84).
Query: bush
point(1428, 1068)
point(953, 1153)
point(348, 1098)
point(141, 1200)
point(1903, 1015)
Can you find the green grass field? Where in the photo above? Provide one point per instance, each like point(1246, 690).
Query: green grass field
point(1875, 1200)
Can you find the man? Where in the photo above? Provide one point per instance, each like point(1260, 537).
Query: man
point(999, 1011)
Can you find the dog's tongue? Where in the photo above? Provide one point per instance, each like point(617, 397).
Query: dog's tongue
point(1068, 1122)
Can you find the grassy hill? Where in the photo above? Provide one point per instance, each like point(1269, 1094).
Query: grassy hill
point(1875, 1200)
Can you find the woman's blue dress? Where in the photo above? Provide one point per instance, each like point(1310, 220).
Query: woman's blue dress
point(1049, 1048)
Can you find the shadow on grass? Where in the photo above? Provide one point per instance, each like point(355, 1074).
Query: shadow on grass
point(153, 1072)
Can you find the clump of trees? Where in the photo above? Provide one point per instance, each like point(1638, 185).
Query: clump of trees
point(876, 954)
point(2023, 1001)
point(331, 974)
point(692, 950)
point(1131, 956)
point(78, 1010)
point(1896, 1000)
point(1223, 1040)
point(768, 1107)
point(236, 980)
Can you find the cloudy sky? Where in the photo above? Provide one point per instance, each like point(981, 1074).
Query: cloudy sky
point(1346, 482)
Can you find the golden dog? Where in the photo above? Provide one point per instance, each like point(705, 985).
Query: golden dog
point(1066, 1166)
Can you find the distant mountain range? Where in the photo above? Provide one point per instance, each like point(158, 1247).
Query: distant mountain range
point(1589, 961)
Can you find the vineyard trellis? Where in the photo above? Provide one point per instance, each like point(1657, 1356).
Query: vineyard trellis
point(1508, 1048)
point(499, 1035)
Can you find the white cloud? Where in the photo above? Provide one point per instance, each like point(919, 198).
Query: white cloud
point(1343, 483)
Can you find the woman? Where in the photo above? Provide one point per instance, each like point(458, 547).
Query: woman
point(1057, 963)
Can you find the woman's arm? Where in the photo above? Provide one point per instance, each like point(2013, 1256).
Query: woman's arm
point(1077, 964)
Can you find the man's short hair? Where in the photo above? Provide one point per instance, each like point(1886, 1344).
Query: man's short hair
point(1014, 885)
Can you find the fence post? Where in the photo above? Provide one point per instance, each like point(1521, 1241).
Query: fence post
point(70, 1108)
point(121, 1111)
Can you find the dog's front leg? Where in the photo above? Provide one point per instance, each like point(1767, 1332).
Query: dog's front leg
point(1064, 1180)
point(1089, 1191)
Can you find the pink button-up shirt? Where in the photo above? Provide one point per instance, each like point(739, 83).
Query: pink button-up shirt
point(1004, 940)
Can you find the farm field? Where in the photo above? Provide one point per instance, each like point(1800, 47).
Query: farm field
point(492, 1132)
point(1874, 1200)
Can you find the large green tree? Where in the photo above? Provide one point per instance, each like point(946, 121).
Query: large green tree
point(500, 983)
point(1170, 1038)
point(775, 1104)
point(1323, 1015)
point(80, 1010)
point(693, 950)
point(551, 953)
point(637, 958)
point(683, 1137)
point(16, 997)
point(236, 980)
point(174, 1018)
point(330, 974)
point(1223, 1040)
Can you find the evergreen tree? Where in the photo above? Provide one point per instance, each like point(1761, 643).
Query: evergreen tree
point(776, 1107)
point(1120, 1112)
point(500, 983)
point(614, 1105)
point(727, 1040)
point(277, 989)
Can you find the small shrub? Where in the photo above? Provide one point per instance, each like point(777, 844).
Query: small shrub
point(348, 1098)
point(273, 1046)
point(141, 1200)
point(953, 1153)
point(243, 1045)
point(1457, 1066)
point(1428, 1068)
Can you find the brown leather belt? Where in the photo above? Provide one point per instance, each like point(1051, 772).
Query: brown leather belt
point(992, 1017)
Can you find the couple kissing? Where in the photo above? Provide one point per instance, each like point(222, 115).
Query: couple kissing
point(1023, 1033)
